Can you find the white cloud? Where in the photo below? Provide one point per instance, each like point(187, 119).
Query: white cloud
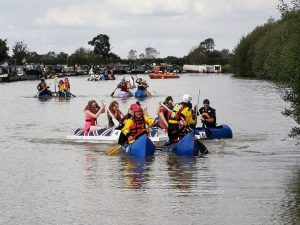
point(80, 16)
point(152, 7)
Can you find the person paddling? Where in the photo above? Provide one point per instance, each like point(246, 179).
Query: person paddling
point(181, 118)
point(92, 111)
point(163, 113)
point(124, 86)
point(142, 86)
point(67, 86)
point(135, 126)
point(43, 88)
point(115, 111)
point(208, 115)
point(61, 89)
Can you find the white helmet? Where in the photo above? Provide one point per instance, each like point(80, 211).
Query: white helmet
point(186, 98)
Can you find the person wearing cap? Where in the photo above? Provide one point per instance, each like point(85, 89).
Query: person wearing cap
point(181, 119)
point(208, 115)
point(163, 113)
point(135, 126)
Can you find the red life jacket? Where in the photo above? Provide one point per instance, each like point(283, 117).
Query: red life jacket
point(67, 85)
point(137, 127)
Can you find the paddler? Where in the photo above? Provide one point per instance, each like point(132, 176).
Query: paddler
point(208, 115)
point(163, 113)
point(116, 113)
point(181, 119)
point(43, 88)
point(136, 126)
point(92, 111)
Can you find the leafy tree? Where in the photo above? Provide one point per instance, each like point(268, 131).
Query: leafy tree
point(225, 53)
point(20, 51)
point(101, 46)
point(151, 53)
point(3, 50)
point(132, 55)
point(80, 56)
point(208, 45)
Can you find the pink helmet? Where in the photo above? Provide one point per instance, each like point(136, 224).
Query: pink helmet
point(136, 108)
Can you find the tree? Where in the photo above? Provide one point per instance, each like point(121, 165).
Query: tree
point(151, 53)
point(20, 51)
point(80, 56)
point(101, 46)
point(142, 56)
point(3, 50)
point(132, 55)
point(208, 45)
point(225, 53)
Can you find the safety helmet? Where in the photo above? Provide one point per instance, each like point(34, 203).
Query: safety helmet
point(186, 98)
point(136, 108)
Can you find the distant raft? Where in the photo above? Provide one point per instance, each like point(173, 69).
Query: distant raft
point(160, 75)
point(124, 94)
point(140, 94)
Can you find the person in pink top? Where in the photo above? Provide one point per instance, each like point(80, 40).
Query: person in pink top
point(92, 111)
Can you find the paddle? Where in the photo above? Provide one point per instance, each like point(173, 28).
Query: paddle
point(196, 107)
point(116, 149)
point(133, 84)
point(112, 94)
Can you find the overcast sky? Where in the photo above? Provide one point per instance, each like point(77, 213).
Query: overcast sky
point(172, 27)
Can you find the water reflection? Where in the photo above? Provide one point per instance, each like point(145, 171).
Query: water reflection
point(91, 165)
point(181, 171)
point(136, 171)
point(289, 213)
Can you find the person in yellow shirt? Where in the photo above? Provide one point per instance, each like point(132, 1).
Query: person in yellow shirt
point(136, 126)
point(181, 119)
point(61, 89)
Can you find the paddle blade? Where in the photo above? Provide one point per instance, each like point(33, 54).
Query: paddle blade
point(114, 150)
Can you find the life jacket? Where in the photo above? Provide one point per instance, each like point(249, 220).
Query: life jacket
point(67, 85)
point(61, 87)
point(176, 112)
point(127, 85)
point(206, 115)
point(138, 126)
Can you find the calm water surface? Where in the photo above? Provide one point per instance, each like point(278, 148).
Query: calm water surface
point(46, 179)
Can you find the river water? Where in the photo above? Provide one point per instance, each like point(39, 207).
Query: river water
point(46, 179)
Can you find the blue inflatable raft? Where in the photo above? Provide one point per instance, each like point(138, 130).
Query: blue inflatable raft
point(140, 94)
point(187, 146)
point(142, 147)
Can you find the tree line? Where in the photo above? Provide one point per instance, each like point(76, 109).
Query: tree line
point(272, 51)
point(204, 53)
